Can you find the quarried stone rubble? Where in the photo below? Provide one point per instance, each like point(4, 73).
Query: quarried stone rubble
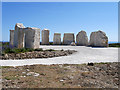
point(19, 35)
point(57, 39)
point(32, 37)
point(98, 38)
point(68, 38)
point(82, 39)
point(45, 37)
point(11, 37)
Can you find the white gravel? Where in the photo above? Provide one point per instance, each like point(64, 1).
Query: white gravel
point(83, 55)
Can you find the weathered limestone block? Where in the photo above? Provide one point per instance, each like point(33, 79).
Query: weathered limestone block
point(57, 39)
point(98, 38)
point(19, 35)
point(82, 39)
point(32, 37)
point(11, 37)
point(73, 44)
point(45, 37)
point(68, 38)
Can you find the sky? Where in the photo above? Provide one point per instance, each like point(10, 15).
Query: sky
point(62, 17)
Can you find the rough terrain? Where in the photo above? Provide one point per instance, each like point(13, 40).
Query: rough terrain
point(97, 75)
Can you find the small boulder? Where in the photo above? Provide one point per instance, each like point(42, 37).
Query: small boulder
point(90, 64)
point(73, 44)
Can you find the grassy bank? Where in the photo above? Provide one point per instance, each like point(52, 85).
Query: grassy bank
point(114, 45)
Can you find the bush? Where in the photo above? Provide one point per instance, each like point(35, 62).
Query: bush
point(29, 50)
point(114, 45)
point(50, 43)
point(18, 50)
point(8, 50)
point(39, 49)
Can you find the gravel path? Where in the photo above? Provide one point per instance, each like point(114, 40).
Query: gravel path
point(83, 55)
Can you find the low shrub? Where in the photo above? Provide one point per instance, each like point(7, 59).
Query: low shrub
point(18, 50)
point(38, 49)
point(114, 45)
point(8, 50)
point(50, 43)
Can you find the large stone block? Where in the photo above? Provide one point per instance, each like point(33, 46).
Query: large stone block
point(68, 38)
point(82, 39)
point(11, 37)
point(45, 37)
point(98, 38)
point(19, 35)
point(32, 37)
point(57, 39)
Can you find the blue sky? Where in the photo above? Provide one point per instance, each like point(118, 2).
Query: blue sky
point(64, 17)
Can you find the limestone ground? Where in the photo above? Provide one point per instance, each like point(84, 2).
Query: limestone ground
point(100, 75)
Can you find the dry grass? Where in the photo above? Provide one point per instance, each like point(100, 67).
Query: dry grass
point(60, 76)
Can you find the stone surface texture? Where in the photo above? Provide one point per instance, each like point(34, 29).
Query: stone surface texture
point(73, 44)
point(19, 35)
point(11, 37)
point(68, 38)
point(99, 39)
point(57, 39)
point(82, 39)
point(32, 37)
point(45, 37)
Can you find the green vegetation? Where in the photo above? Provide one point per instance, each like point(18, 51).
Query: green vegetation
point(39, 49)
point(1, 67)
point(17, 50)
point(11, 78)
point(50, 43)
point(114, 45)
point(23, 50)
point(5, 43)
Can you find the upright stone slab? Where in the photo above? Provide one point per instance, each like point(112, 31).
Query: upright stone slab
point(82, 39)
point(32, 37)
point(68, 38)
point(98, 38)
point(19, 35)
point(11, 37)
point(45, 37)
point(57, 39)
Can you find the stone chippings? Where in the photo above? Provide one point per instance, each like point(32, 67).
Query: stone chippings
point(82, 39)
point(45, 37)
point(11, 37)
point(104, 76)
point(32, 37)
point(98, 38)
point(68, 38)
point(37, 54)
point(57, 39)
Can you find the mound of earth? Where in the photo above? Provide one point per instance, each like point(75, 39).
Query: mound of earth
point(37, 54)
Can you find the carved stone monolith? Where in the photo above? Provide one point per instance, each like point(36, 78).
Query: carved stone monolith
point(68, 38)
point(57, 39)
point(82, 39)
point(19, 35)
point(11, 37)
point(45, 37)
point(99, 39)
point(32, 37)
